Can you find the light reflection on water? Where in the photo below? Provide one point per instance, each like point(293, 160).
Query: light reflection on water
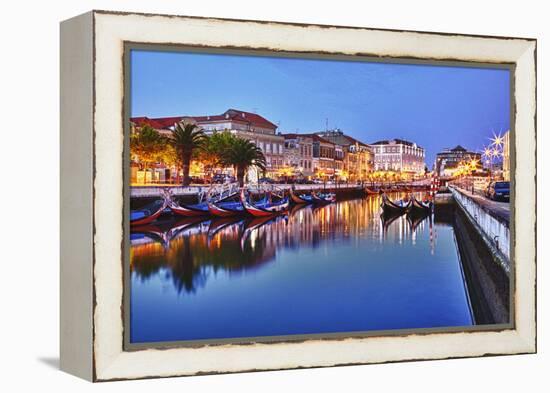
point(336, 268)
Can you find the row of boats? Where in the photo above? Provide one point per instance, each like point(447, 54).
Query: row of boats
point(409, 205)
point(230, 201)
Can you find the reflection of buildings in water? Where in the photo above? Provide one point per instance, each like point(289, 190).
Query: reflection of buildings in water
point(191, 251)
point(191, 257)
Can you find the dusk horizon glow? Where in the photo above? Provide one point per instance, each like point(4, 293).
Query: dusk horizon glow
point(435, 106)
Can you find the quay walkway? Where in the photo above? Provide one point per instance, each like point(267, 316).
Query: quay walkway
point(490, 218)
point(153, 190)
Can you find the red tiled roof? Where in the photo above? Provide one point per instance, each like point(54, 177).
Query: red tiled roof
point(141, 121)
point(231, 114)
point(237, 115)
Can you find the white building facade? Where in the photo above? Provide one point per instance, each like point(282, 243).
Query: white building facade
point(399, 155)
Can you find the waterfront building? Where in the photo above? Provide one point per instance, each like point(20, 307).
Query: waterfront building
point(506, 156)
point(357, 160)
point(298, 154)
point(399, 155)
point(247, 125)
point(324, 166)
point(448, 160)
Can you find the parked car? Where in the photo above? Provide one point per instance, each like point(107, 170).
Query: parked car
point(498, 191)
point(218, 178)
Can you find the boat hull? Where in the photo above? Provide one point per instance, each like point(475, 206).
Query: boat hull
point(420, 208)
point(150, 218)
point(392, 208)
point(298, 199)
point(224, 211)
point(267, 211)
point(189, 211)
point(323, 199)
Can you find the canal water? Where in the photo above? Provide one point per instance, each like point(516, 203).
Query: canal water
point(330, 269)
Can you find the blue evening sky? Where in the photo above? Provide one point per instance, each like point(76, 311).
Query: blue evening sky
point(434, 106)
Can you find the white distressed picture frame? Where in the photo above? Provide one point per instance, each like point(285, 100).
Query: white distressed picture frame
point(92, 231)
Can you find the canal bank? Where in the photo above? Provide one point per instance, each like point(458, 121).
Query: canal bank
point(484, 255)
point(141, 196)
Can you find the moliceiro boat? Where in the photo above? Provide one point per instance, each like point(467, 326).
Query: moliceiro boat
point(149, 213)
point(229, 208)
point(188, 210)
point(323, 197)
point(420, 207)
point(269, 205)
point(224, 201)
point(399, 207)
point(300, 198)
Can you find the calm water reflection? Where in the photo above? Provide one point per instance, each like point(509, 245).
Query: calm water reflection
point(336, 268)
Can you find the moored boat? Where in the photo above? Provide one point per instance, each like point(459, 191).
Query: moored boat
point(194, 210)
point(265, 207)
point(420, 207)
point(399, 207)
point(300, 198)
point(187, 210)
point(226, 208)
point(149, 213)
point(322, 198)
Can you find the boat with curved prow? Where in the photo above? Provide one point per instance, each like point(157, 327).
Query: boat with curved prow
point(399, 207)
point(420, 207)
point(226, 208)
point(323, 198)
point(300, 199)
point(265, 207)
point(149, 213)
point(224, 201)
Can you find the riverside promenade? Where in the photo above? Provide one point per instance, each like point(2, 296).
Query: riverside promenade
point(490, 218)
point(151, 191)
point(156, 191)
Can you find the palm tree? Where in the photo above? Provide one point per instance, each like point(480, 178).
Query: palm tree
point(186, 138)
point(242, 154)
point(147, 144)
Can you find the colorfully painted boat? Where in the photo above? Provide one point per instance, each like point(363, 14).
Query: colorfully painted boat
point(300, 198)
point(194, 210)
point(265, 207)
point(149, 213)
point(398, 207)
point(226, 208)
point(323, 197)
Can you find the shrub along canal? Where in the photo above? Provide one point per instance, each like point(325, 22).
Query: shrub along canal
point(328, 269)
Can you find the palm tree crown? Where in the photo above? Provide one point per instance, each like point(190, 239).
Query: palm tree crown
point(186, 138)
point(242, 154)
